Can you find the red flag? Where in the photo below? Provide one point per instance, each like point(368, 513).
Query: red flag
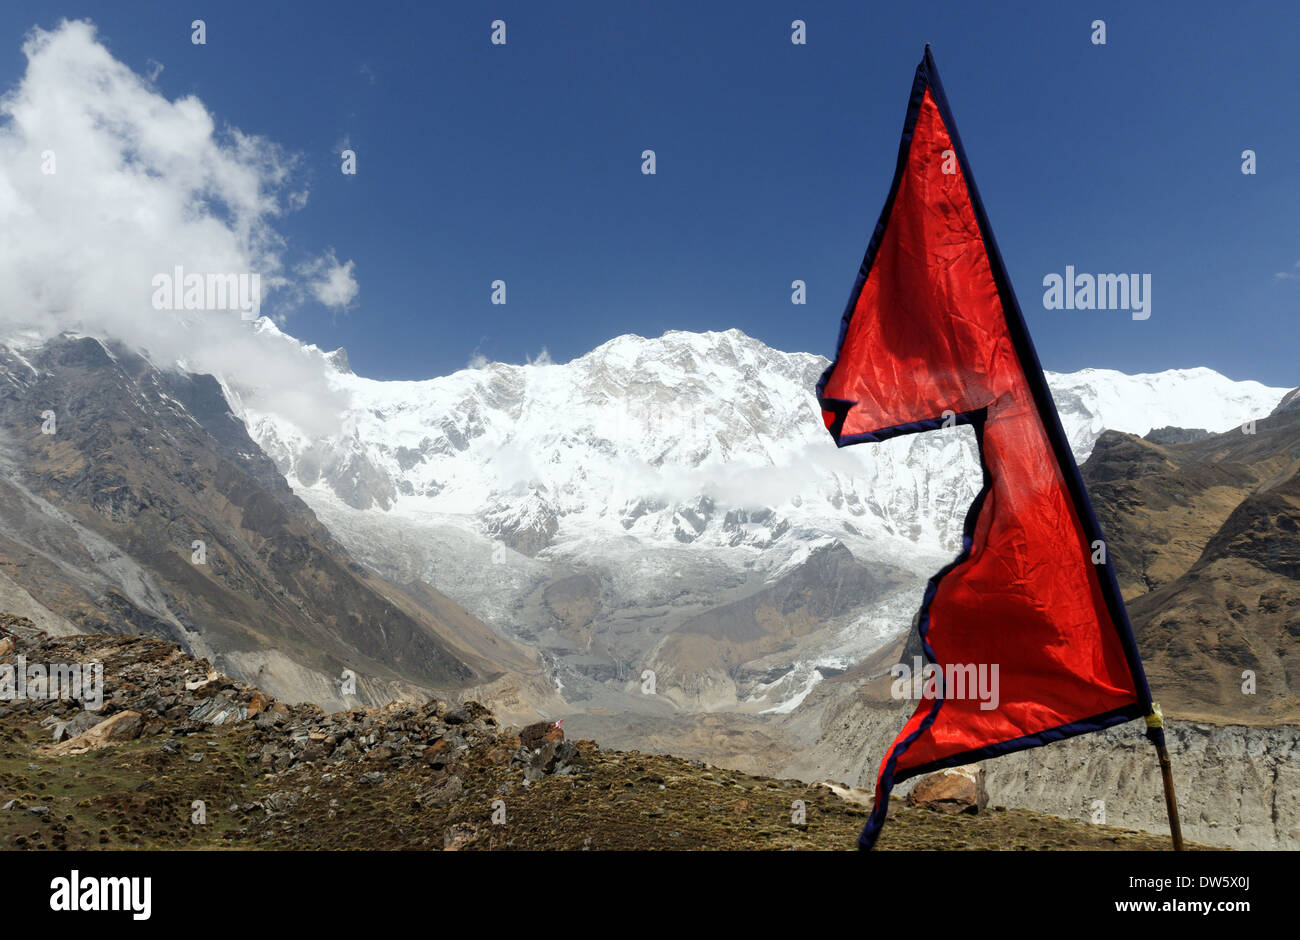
point(932, 337)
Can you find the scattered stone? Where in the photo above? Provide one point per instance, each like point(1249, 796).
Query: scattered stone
point(198, 684)
point(316, 749)
point(457, 716)
point(442, 794)
point(863, 798)
point(553, 757)
point(218, 711)
point(153, 689)
point(280, 801)
point(459, 836)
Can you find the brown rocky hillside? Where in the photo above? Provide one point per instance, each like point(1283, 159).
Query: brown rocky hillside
point(1205, 538)
point(182, 757)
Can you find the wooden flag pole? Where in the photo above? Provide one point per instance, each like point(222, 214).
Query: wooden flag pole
point(1156, 733)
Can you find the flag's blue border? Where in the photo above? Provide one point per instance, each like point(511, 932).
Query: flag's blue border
point(927, 77)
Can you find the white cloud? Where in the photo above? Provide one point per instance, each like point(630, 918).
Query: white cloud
point(333, 284)
point(140, 185)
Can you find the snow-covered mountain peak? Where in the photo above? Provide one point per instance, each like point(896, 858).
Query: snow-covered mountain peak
point(713, 439)
point(594, 506)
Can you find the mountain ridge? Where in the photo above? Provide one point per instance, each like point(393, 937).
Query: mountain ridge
point(669, 476)
point(1206, 535)
point(138, 502)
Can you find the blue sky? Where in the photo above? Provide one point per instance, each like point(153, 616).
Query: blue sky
point(478, 162)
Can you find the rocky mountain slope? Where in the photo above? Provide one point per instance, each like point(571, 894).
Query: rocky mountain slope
point(1207, 543)
point(187, 758)
point(131, 499)
point(1238, 785)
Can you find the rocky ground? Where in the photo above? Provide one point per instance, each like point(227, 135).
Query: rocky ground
point(182, 757)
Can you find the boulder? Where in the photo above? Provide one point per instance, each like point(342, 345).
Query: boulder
point(198, 685)
point(124, 726)
point(457, 716)
point(436, 755)
point(79, 723)
point(257, 704)
point(316, 748)
point(952, 790)
point(538, 733)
